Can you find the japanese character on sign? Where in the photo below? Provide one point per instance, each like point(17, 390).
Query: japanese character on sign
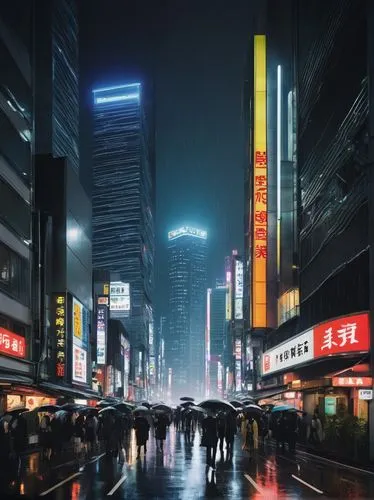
point(347, 334)
point(60, 332)
point(260, 180)
point(286, 355)
point(6, 341)
point(260, 159)
point(261, 252)
point(60, 355)
point(60, 369)
point(261, 196)
point(261, 216)
point(14, 345)
point(328, 341)
point(60, 321)
point(261, 233)
point(61, 343)
point(60, 300)
point(306, 347)
point(293, 352)
point(300, 349)
point(281, 357)
point(60, 311)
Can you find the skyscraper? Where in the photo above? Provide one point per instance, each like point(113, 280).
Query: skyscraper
point(122, 201)
point(217, 331)
point(56, 85)
point(187, 248)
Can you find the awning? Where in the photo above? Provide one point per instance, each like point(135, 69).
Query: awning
point(66, 390)
point(268, 393)
point(6, 378)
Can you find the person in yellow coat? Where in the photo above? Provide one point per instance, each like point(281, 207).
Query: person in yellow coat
point(249, 430)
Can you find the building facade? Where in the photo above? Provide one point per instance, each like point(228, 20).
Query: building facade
point(216, 334)
point(122, 198)
point(16, 126)
point(187, 256)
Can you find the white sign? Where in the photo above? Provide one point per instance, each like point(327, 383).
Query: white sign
point(239, 279)
point(365, 394)
point(293, 352)
point(238, 308)
point(101, 333)
point(79, 365)
point(120, 298)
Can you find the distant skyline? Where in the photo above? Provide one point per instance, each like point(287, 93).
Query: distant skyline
point(195, 54)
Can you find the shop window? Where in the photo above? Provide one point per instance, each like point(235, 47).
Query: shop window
point(288, 305)
point(4, 265)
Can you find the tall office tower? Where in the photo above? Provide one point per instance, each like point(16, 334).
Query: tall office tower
point(56, 86)
point(122, 202)
point(217, 332)
point(16, 124)
point(187, 249)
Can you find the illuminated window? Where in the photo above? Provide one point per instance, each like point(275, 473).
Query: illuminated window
point(288, 305)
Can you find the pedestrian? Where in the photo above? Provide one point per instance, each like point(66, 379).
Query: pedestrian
point(90, 427)
point(316, 433)
point(281, 431)
point(188, 425)
point(161, 425)
point(5, 450)
point(79, 434)
point(45, 436)
point(292, 428)
point(230, 431)
point(210, 439)
point(141, 426)
point(221, 425)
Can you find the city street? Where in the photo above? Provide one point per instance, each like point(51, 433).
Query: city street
point(180, 473)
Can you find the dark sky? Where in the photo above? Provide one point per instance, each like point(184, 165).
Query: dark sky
point(195, 53)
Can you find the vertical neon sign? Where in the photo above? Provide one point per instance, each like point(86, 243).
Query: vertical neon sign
point(260, 187)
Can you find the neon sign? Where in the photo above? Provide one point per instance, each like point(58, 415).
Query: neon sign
point(60, 331)
point(185, 230)
point(260, 187)
point(115, 98)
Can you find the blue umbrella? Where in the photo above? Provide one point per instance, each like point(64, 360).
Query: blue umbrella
point(281, 408)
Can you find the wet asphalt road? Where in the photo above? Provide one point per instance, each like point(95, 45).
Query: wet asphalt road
point(180, 473)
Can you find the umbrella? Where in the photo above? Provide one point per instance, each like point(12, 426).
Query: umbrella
point(254, 409)
point(107, 410)
point(216, 405)
point(236, 404)
point(48, 408)
point(198, 409)
point(281, 408)
point(145, 404)
point(104, 403)
point(186, 404)
point(71, 407)
point(61, 414)
point(124, 407)
point(247, 401)
point(141, 409)
point(187, 398)
point(89, 409)
point(16, 410)
point(161, 407)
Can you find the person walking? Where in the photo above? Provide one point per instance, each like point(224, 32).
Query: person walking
point(188, 425)
point(221, 425)
point(210, 439)
point(141, 426)
point(161, 425)
point(230, 431)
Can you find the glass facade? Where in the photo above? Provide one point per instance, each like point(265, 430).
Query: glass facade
point(122, 199)
point(187, 295)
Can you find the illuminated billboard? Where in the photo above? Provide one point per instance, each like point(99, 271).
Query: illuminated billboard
point(185, 230)
point(228, 296)
point(60, 324)
point(80, 331)
point(260, 187)
point(239, 287)
point(120, 303)
point(101, 332)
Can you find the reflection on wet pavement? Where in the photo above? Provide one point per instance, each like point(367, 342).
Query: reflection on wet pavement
point(180, 473)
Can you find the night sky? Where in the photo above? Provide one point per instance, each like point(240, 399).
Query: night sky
point(195, 52)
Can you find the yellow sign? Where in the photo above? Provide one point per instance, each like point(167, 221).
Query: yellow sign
point(260, 187)
point(60, 329)
point(77, 319)
point(106, 289)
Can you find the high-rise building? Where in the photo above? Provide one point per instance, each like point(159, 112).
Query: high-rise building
point(122, 202)
point(187, 249)
point(56, 85)
point(217, 332)
point(16, 127)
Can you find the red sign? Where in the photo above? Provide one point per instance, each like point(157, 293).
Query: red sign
point(12, 344)
point(342, 336)
point(352, 381)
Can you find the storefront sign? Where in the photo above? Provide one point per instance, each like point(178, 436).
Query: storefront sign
point(293, 352)
point(238, 289)
point(352, 381)
point(238, 349)
point(79, 365)
point(77, 319)
point(344, 335)
point(12, 344)
point(259, 234)
point(60, 332)
point(101, 333)
point(365, 394)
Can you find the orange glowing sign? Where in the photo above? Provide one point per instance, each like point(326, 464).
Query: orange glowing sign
point(260, 187)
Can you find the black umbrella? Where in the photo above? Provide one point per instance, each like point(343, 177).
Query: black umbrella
point(124, 407)
point(48, 408)
point(104, 404)
point(109, 410)
point(146, 404)
point(187, 398)
point(71, 407)
point(197, 409)
point(17, 410)
point(186, 404)
point(247, 401)
point(252, 410)
point(236, 404)
point(163, 408)
point(216, 405)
